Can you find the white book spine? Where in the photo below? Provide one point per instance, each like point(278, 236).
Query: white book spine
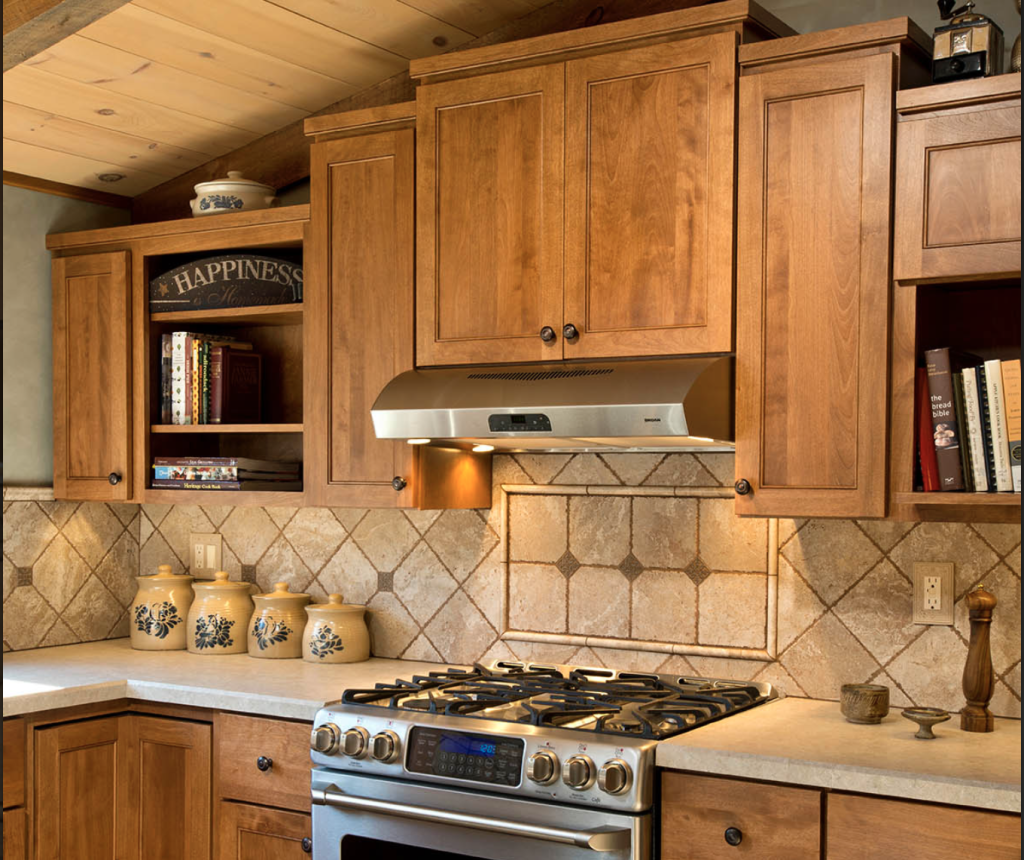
point(975, 439)
point(179, 414)
point(997, 424)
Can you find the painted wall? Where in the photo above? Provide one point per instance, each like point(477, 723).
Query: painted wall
point(28, 370)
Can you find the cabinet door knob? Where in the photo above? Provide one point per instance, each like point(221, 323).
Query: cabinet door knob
point(264, 763)
point(307, 844)
point(114, 479)
point(742, 487)
point(547, 334)
point(398, 483)
point(570, 332)
point(733, 835)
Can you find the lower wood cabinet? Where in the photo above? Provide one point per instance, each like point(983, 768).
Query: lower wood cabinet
point(246, 832)
point(15, 834)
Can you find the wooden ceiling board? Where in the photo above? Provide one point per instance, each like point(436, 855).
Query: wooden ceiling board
point(477, 16)
point(76, 169)
point(38, 128)
point(189, 49)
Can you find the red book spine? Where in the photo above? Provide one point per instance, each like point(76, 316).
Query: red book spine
point(923, 429)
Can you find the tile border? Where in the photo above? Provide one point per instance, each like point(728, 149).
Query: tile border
point(28, 494)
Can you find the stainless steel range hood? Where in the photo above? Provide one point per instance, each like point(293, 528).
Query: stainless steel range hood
point(657, 405)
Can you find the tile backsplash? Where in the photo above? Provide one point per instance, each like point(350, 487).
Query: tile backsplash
point(651, 554)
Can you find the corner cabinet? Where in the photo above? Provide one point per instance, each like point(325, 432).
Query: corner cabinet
point(92, 376)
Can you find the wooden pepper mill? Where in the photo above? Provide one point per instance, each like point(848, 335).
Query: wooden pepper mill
point(978, 675)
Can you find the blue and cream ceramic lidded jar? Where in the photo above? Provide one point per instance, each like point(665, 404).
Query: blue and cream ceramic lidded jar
point(158, 613)
point(218, 617)
point(336, 633)
point(275, 629)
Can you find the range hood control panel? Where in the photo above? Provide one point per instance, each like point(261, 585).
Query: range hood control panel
point(535, 422)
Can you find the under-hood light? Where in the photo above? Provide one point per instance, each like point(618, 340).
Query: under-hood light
point(417, 441)
point(483, 449)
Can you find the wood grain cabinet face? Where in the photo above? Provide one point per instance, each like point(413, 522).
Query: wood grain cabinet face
point(813, 288)
point(359, 315)
point(257, 833)
point(958, 194)
point(649, 199)
point(773, 822)
point(92, 377)
point(489, 201)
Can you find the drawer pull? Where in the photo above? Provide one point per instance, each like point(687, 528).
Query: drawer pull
point(307, 844)
point(742, 487)
point(264, 763)
point(733, 835)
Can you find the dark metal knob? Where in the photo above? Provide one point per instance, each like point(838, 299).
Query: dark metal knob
point(733, 835)
point(264, 763)
point(742, 487)
point(114, 479)
point(398, 483)
point(307, 844)
point(547, 334)
point(570, 332)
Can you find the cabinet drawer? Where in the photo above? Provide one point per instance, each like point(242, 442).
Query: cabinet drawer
point(14, 763)
point(773, 822)
point(241, 742)
point(917, 831)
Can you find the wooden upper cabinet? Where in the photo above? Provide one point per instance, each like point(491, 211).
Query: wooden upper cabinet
point(92, 377)
point(649, 199)
point(813, 240)
point(359, 315)
point(489, 203)
point(958, 181)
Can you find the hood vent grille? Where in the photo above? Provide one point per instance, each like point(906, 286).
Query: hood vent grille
point(540, 375)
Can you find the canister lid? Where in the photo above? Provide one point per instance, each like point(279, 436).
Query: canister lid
point(220, 581)
point(334, 605)
point(163, 574)
point(281, 592)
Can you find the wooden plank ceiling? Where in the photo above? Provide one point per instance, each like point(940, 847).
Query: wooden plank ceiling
point(159, 87)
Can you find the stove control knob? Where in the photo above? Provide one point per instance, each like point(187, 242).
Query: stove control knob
point(542, 768)
point(354, 742)
point(614, 777)
point(384, 747)
point(325, 739)
point(578, 772)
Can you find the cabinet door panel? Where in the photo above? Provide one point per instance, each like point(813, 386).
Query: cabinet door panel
point(649, 191)
point(360, 314)
point(91, 377)
point(258, 833)
point(489, 254)
point(813, 288)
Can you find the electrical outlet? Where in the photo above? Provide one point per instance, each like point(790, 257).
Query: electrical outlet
point(205, 555)
point(933, 592)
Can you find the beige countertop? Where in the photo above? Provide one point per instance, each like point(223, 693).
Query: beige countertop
point(50, 678)
point(807, 742)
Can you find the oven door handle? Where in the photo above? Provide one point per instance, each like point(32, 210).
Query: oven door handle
point(600, 839)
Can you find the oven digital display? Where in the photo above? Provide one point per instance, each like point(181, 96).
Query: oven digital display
point(463, 755)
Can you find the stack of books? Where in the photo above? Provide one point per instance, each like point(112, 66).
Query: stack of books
point(225, 473)
point(968, 423)
point(208, 379)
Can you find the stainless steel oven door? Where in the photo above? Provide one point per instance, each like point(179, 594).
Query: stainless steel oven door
point(375, 818)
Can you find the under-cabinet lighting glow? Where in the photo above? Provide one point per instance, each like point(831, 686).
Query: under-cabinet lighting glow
point(418, 441)
point(483, 449)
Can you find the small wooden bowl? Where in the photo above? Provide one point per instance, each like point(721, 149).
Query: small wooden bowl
point(865, 704)
point(925, 719)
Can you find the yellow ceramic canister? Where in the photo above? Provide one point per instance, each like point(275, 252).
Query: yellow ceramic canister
point(335, 633)
point(158, 613)
point(275, 629)
point(217, 619)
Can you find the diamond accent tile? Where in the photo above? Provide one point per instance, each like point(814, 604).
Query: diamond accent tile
point(630, 567)
point(567, 564)
point(385, 580)
point(24, 576)
point(249, 573)
point(697, 570)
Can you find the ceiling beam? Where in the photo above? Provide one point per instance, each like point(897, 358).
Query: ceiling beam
point(32, 26)
point(62, 189)
point(282, 157)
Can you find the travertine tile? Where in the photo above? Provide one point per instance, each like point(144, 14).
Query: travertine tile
point(632, 468)
point(599, 602)
point(485, 587)
point(1004, 703)
point(536, 598)
point(778, 677)
point(385, 537)
point(250, 532)
point(1001, 537)
point(315, 534)
point(422, 583)
point(156, 513)
point(537, 528)
point(664, 607)
point(27, 617)
point(10, 577)
point(1013, 560)
point(733, 610)
point(350, 574)
point(27, 531)
point(349, 517)
point(931, 669)
point(155, 552)
point(586, 470)
point(726, 667)
point(730, 543)
point(92, 530)
point(885, 533)
point(93, 612)
point(280, 563)
point(422, 520)
point(459, 631)
point(180, 522)
point(585, 657)
point(59, 572)
point(1004, 636)
point(664, 531)
point(826, 657)
point(680, 470)
point(1012, 678)
point(60, 512)
point(677, 664)
point(541, 652)
point(218, 513)
point(146, 528)
point(722, 466)
point(392, 629)
point(59, 634)
point(542, 468)
point(798, 606)
point(124, 512)
point(953, 542)
point(879, 610)
point(832, 555)
point(461, 540)
point(599, 529)
point(282, 515)
point(788, 528)
point(897, 698)
point(421, 649)
point(498, 651)
point(629, 660)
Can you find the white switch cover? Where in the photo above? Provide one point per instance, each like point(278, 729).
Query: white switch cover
point(933, 592)
point(205, 555)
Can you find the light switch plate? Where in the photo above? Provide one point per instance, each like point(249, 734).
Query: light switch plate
point(204, 555)
point(933, 592)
